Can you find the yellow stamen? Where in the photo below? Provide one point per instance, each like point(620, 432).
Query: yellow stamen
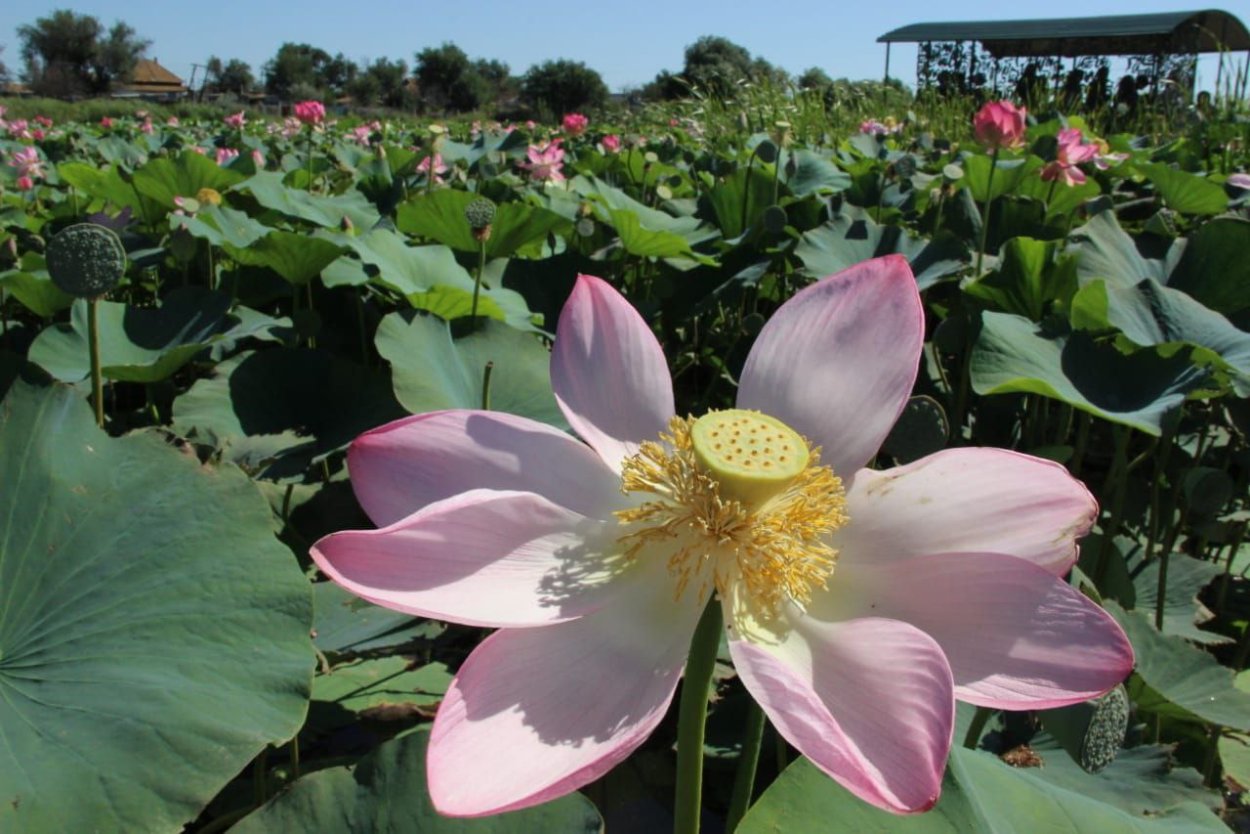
point(721, 524)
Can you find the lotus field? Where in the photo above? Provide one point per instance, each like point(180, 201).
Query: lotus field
point(696, 470)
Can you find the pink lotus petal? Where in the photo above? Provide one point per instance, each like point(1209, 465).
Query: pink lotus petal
point(482, 558)
point(869, 701)
point(1016, 637)
point(536, 713)
point(402, 466)
point(838, 360)
point(609, 373)
point(986, 500)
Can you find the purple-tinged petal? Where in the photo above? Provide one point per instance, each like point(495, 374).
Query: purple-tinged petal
point(534, 714)
point(869, 701)
point(837, 361)
point(400, 467)
point(608, 372)
point(1016, 636)
point(483, 558)
point(967, 500)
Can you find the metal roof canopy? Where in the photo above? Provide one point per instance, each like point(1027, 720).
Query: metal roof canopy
point(1210, 30)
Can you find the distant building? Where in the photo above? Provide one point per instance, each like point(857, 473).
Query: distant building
point(151, 81)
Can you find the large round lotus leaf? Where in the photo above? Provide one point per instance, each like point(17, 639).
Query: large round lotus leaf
point(385, 794)
point(154, 636)
point(1140, 793)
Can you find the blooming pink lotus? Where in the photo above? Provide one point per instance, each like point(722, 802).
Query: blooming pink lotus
point(28, 163)
point(236, 120)
point(226, 155)
point(999, 124)
point(311, 113)
point(611, 143)
point(859, 604)
point(440, 167)
point(545, 162)
point(1072, 151)
point(575, 124)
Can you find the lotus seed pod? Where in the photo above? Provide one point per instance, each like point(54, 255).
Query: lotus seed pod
point(480, 213)
point(86, 260)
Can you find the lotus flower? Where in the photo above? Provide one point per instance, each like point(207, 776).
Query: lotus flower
point(545, 162)
point(1071, 152)
point(611, 143)
point(1239, 180)
point(28, 163)
point(236, 120)
point(311, 113)
point(999, 124)
point(859, 604)
point(575, 124)
point(440, 167)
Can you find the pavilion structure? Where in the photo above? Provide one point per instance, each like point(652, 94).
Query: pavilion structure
point(1070, 55)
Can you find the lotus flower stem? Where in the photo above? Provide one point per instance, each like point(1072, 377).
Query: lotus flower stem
point(4, 322)
point(973, 736)
point(477, 275)
point(692, 718)
point(93, 340)
point(985, 212)
point(486, 374)
point(748, 759)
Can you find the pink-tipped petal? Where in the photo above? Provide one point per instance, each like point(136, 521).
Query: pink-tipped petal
point(608, 372)
point(1016, 636)
point(398, 468)
point(482, 558)
point(837, 361)
point(869, 701)
point(967, 500)
point(534, 714)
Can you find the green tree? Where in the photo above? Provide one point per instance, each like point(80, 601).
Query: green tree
point(68, 53)
point(295, 64)
point(447, 79)
point(380, 82)
point(233, 76)
point(554, 88)
point(814, 78)
point(717, 67)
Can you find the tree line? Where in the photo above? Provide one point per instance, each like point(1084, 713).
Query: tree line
point(67, 54)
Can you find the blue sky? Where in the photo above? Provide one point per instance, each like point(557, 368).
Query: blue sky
point(627, 42)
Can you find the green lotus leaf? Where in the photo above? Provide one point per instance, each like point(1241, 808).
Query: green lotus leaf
point(432, 370)
point(148, 650)
point(1185, 192)
point(327, 211)
point(1013, 354)
point(981, 795)
point(385, 794)
point(853, 236)
point(1175, 679)
point(165, 178)
point(315, 402)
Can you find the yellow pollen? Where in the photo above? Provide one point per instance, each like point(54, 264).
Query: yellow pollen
point(761, 526)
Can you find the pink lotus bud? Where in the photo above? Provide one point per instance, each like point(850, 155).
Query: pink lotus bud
point(612, 143)
point(106, 122)
point(310, 112)
point(258, 158)
point(25, 183)
point(575, 124)
point(999, 124)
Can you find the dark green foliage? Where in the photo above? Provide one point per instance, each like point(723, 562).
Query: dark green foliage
point(554, 88)
point(67, 53)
